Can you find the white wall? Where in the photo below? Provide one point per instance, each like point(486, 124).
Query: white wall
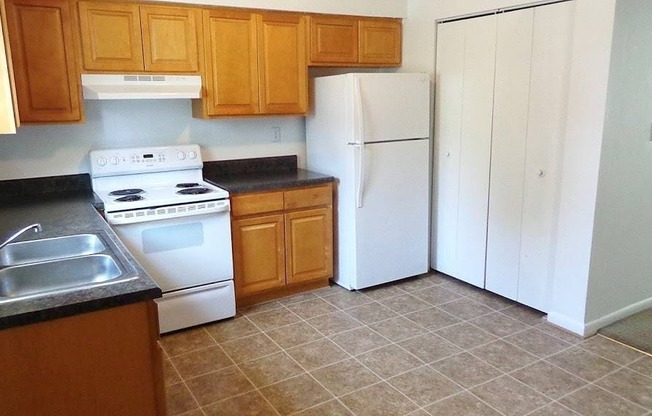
point(621, 261)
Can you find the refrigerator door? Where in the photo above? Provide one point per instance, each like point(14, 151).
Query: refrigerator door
point(390, 106)
point(391, 228)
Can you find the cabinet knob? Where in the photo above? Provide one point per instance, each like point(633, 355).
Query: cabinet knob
point(541, 173)
point(448, 154)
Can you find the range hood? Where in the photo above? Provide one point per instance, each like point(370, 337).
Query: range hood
point(140, 87)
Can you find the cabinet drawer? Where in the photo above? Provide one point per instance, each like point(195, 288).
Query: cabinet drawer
point(308, 197)
point(256, 203)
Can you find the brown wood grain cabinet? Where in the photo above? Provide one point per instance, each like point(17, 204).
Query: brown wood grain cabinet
point(282, 242)
point(255, 64)
point(354, 41)
point(102, 363)
point(43, 55)
point(128, 37)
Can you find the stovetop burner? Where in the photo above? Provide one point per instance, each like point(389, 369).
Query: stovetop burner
point(194, 191)
point(131, 191)
point(187, 185)
point(129, 198)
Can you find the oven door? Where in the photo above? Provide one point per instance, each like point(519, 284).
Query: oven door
point(184, 252)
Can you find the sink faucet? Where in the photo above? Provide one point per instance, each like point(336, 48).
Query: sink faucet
point(36, 227)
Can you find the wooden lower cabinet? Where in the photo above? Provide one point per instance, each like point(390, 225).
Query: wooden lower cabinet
point(282, 242)
point(106, 362)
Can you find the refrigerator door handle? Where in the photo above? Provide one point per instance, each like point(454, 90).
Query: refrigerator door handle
point(359, 140)
point(360, 178)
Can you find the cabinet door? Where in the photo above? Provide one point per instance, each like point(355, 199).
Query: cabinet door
point(8, 104)
point(47, 82)
point(258, 254)
point(170, 38)
point(309, 244)
point(380, 42)
point(333, 40)
point(231, 63)
point(283, 68)
point(110, 36)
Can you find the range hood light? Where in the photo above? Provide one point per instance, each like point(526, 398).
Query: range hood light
point(140, 87)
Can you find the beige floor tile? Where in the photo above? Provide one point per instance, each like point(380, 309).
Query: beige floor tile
point(466, 336)
point(371, 312)
point(537, 342)
point(554, 409)
point(383, 291)
point(317, 354)
point(200, 362)
point(250, 348)
point(503, 355)
point(416, 283)
point(311, 308)
point(463, 404)
point(404, 304)
point(458, 286)
point(583, 363)
point(250, 404)
point(219, 385)
point(492, 300)
point(299, 297)
point(397, 329)
point(295, 334)
point(437, 295)
point(433, 318)
point(429, 347)
point(359, 340)
point(270, 369)
point(560, 333)
point(378, 400)
point(548, 379)
point(262, 307)
point(500, 325)
point(170, 374)
point(334, 323)
point(231, 329)
point(465, 309)
point(593, 400)
point(179, 400)
point(196, 412)
point(643, 365)
point(418, 412)
point(347, 299)
point(631, 385)
point(275, 318)
point(295, 394)
point(510, 396)
point(345, 377)
point(424, 385)
point(389, 361)
point(186, 341)
point(524, 314)
point(466, 370)
point(330, 408)
point(611, 350)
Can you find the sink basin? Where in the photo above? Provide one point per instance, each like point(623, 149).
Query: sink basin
point(29, 280)
point(50, 249)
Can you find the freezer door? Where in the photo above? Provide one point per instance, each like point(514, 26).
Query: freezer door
point(391, 106)
point(392, 225)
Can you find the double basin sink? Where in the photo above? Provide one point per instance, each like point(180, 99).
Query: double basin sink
point(53, 265)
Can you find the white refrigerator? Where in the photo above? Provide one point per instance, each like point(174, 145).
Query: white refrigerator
point(371, 132)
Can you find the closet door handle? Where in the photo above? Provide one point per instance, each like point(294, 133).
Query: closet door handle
point(541, 173)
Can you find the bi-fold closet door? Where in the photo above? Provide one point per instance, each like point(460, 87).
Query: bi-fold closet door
point(499, 121)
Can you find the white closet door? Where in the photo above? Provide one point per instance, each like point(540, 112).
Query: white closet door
point(463, 118)
point(546, 121)
point(508, 151)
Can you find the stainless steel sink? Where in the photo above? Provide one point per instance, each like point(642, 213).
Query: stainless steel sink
point(36, 279)
point(50, 249)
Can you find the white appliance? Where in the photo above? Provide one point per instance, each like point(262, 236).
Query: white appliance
point(175, 224)
point(371, 131)
point(140, 87)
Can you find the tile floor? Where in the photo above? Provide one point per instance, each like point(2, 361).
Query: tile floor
point(426, 346)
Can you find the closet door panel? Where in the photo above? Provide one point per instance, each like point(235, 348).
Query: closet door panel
point(546, 120)
point(508, 149)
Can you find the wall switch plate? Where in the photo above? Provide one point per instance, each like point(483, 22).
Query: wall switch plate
point(277, 134)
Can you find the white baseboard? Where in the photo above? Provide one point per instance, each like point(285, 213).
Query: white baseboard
point(566, 323)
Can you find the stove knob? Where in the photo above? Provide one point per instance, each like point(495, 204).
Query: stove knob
point(192, 154)
point(101, 161)
point(181, 155)
point(115, 160)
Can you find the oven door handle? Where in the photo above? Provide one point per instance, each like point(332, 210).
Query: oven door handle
point(196, 289)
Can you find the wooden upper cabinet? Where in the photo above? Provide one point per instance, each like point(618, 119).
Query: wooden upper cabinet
point(352, 41)
point(380, 41)
point(126, 37)
point(111, 37)
point(282, 64)
point(231, 75)
point(333, 39)
point(41, 39)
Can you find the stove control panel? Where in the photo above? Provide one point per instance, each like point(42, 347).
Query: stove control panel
point(111, 162)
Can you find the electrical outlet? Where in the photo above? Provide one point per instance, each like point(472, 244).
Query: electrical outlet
point(277, 134)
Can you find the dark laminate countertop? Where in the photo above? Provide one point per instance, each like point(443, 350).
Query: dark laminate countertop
point(65, 213)
point(261, 174)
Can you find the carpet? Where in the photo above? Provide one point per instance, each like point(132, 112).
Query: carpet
point(635, 331)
